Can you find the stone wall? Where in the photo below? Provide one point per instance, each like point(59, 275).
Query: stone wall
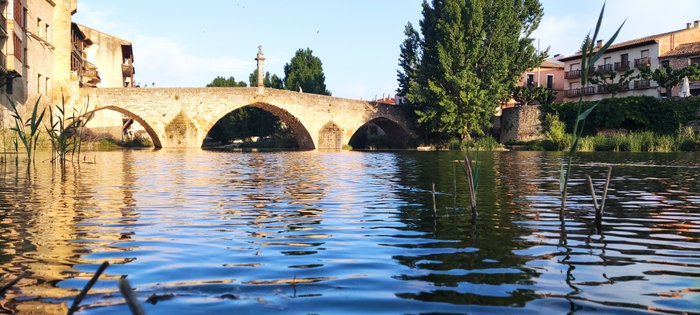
point(521, 123)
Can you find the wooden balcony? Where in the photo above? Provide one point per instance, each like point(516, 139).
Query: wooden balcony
point(642, 62)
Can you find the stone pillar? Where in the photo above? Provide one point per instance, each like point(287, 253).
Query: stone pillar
point(261, 75)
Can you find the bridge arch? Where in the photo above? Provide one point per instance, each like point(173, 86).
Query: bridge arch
point(391, 130)
point(149, 130)
point(299, 131)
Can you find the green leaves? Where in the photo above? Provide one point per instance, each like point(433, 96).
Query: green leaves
point(305, 71)
point(29, 137)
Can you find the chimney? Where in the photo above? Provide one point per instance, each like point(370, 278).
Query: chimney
point(687, 25)
point(696, 23)
point(599, 43)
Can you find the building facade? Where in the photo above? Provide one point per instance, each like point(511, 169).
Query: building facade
point(550, 75)
point(619, 58)
point(681, 57)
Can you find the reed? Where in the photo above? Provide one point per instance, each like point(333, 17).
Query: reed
point(599, 208)
point(27, 131)
point(65, 132)
point(472, 168)
point(76, 303)
point(589, 56)
point(130, 298)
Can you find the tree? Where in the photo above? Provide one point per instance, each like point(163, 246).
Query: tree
point(305, 71)
point(223, 82)
point(667, 77)
point(527, 95)
point(470, 56)
point(269, 81)
point(611, 83)
point(408, 60)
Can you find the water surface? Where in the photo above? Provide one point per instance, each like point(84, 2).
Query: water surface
point(348, 232)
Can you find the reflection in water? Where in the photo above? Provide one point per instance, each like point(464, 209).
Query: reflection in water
point(348, 232)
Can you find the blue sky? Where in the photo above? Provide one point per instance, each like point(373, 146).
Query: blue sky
point(188, 43)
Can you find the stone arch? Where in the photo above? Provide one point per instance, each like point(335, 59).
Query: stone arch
point(299, 131)
point(151, 133)
point(330, 136)
point(392, 129)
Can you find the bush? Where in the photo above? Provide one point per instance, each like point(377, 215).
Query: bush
point(635, 113)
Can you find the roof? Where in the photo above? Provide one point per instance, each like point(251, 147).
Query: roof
point(552, 63)
point(683, 50)
point(643, 41)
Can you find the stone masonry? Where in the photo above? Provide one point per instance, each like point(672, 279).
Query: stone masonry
point(182, 117)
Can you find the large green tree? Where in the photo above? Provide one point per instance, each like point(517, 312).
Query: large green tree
point(469, 57)
point(269, 81)
point(306, 71)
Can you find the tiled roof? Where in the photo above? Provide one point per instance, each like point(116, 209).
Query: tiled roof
point(552, 63)
point(634, 42)
point(684, 50)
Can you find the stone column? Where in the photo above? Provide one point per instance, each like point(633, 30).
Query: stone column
point(261, 75)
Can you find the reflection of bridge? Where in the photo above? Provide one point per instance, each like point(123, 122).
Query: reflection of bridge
point(182, 117)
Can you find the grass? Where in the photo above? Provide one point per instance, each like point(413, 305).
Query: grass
point(626, 142)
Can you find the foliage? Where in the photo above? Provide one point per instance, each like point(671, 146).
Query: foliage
point(589, 56)
point(555, 130)
point(268, 81)
point(529, 95)
point(305, 71)
point(667, 77)
point(634, 113)
point(408, 59)
point(27, 131)
point(223, 82)
point(611, 82)
point(66, 133)
point(468, 57)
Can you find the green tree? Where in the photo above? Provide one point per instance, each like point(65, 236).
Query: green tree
point(408, 60)
point(667, 77)
point(611, 82)
point(306, 71)
point(223, 82)
point(471, 55)
point(269, 81)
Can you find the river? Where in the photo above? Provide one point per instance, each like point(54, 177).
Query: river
point(204, 232)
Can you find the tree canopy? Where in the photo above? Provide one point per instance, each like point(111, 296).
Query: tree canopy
point(465, 61)
point(269, 81)
point(306, 71)
point(224, 82)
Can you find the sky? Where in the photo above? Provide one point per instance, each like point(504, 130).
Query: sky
point(188, 43)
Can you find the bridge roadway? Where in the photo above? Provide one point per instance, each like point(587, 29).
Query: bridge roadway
point(182, 117)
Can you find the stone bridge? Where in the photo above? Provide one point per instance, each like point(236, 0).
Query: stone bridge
point(182, 117)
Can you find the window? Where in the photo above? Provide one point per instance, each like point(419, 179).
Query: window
point(38, 84)
point(47, 86)
point(624, 58)
point(645, 53)
point(665, 63)
point(46, 33)
point(573, 66)
point(17, 47)
point(695, 61)
point(530, 79)
point(550, 81)
point(607, 60)
point(38, 27)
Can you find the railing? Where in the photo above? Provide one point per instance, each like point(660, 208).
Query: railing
point(589, 90)
point(127, 70)
point(642, 62)
point(573, 74)
point(625, 87)
point(622, 66)
point(642, 84)
point(603, 89)
point(605, 68)
point(572, 93)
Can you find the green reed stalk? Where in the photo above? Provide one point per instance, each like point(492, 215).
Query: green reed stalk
point(27, 130)
point(589, 56)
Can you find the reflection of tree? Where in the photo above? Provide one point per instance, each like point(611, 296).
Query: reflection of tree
point(482, 251)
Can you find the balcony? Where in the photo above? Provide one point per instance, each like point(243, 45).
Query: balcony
point(622, 66)
point(3, 25)
point(573, 74)
point(605, 68)
point(642, 62)
point(572, 93)
point(127, 70)
point(642, 84)
point(602, 89)
point(3, 60)
point(624, 87)
point(589, 90)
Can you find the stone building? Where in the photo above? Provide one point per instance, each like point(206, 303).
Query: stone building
point(633, 54)
point(681, 57)
point(44, 55)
